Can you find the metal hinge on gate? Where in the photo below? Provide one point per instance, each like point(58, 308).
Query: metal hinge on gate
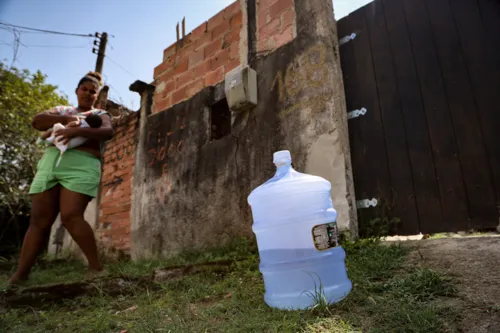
point(366, 203)
point(356, 113)
point(347, 38)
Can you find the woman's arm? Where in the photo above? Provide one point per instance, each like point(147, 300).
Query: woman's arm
point(105, 132)
point(45, 120)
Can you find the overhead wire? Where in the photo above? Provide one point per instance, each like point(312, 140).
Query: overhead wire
point(58, 46)
point(120, 66)
point(44, 30)
point(18, 29)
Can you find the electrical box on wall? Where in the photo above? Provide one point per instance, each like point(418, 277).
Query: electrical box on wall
point(241, 88)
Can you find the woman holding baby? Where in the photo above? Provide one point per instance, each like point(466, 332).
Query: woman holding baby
point(68, 185)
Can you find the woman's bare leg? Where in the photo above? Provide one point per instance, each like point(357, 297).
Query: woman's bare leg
point(44, 210)
point(73, 207)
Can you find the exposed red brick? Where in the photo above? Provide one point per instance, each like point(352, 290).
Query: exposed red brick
point(116, 209)
point(265, 3)
point(283, 38)
point(213, 47)
point(232, 37)
point(118, 229)
point(127, 182)
point(203, 41)
point(116, 200)
point(184, 79)
point(263, 17)
point(162, 67)
point(179, 95)
point(237, 20)
point(194, 87)
point(232, 9)
point(117, 217)
point(109, 203)
point(128, 170)
point(202, 69)
point(169, 87)
point(263, 45)
point(186, 48)
point(279, 7)
point(221, 29)
point(157, 98)
point(165, 76)
point(220, 59)
point(196, 57)
point(214, 77)
point(215, 20)
point(269, 29)
point(169, 51)
point(234, 51)
point(200, 30)
point(288, 18)
point(186, 41)
point(231, 65)
point(127, 191)
point(163, 104)
point(181, 67)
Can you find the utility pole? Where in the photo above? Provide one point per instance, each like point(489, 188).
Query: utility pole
point(101, 52)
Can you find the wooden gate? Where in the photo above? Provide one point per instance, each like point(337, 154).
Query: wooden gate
point(428, 74)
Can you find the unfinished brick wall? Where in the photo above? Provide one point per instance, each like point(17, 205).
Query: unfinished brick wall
point(200, 59)
point(276, 24)
point(113, 230)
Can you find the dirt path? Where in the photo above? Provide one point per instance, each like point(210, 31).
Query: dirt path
point(475, 265)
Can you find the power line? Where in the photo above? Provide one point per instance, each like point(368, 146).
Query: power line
point(45, 31)
point(15, 47)
point(123, 68)
point(116, 90)
point(58, 46)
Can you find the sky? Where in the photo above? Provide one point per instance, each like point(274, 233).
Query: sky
point(139, 32)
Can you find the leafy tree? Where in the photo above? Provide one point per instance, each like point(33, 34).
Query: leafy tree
point(22, 95)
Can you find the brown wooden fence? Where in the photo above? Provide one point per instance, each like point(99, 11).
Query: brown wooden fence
point(428, 74)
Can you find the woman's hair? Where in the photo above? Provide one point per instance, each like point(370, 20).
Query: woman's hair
point(94, 77)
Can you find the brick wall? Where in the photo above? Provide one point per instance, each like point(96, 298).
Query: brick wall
point(113, 230)
point(200, 59)
point(276, 24)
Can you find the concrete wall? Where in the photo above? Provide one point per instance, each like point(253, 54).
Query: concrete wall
point(190, 190)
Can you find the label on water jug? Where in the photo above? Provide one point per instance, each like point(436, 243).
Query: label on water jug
point(325, 236)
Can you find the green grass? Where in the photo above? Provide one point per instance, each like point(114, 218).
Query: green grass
point(387, 297)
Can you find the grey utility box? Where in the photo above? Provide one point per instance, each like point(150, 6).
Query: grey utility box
point(241, 88)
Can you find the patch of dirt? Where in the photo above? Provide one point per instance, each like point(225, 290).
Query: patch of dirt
point(108, 285)
point(170, 273)
point(474, 263)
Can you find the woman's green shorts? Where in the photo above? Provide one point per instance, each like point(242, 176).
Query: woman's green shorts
point(77, 171)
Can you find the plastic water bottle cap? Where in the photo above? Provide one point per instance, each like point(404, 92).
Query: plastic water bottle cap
point(282, 157)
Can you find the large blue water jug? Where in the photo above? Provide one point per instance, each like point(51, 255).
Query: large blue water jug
point(295, 225)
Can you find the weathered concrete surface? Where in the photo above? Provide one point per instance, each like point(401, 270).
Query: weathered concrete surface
point(329, 153)
point(192, 193)
point(473, 263)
